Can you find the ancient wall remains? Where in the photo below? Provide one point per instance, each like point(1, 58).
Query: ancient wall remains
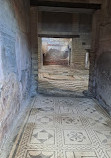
point(15, 60)
point(100, 70)
point(78, 26)
point(34, 49)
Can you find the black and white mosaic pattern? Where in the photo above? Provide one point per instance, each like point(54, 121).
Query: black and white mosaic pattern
point(64, 128)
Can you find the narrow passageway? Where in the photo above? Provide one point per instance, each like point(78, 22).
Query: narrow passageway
point(55, 78)
point(58, 127)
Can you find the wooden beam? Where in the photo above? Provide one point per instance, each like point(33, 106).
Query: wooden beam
point(65, 10)
point(65, 4)
point(58, 36)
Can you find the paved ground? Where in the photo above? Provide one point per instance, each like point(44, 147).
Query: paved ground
point(59, 127)
point(64, 81)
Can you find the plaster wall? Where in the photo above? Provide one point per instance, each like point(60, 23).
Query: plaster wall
point(15, 60)
point(100, 70)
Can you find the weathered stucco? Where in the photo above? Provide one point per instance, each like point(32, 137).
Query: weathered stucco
point(100, 70)
point(15, 60)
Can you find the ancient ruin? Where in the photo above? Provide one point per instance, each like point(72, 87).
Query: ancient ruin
point(55, 78)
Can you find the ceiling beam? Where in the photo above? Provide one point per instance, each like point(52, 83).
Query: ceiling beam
point(65, 4)
point(65, 10)
point(58, 36)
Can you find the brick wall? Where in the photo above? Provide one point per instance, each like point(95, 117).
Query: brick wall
point(81, 45)
point(78, 54)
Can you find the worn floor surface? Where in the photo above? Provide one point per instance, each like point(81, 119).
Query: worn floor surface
point(64, 128)
point(64, 81)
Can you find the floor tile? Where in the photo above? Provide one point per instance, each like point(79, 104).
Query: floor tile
point(45, 120)
point(71, 121)
point(109, 153)
point(74, 154)
point(43, 136)
point(76, 137)
point(101, 122)
point(67, 110)
point(39, 154)
point(104, 136)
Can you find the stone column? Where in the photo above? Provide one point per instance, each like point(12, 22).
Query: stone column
point(75, 31)
point(92, 54)
point(40, 55)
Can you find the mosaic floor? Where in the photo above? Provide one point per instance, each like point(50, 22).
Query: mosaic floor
point(62, 80)
point(64, 128)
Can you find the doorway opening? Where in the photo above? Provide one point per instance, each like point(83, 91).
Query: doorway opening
point(64, 45)
point(56, 51)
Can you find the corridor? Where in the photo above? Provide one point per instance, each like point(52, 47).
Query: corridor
point(55, 78)
point(58, 127)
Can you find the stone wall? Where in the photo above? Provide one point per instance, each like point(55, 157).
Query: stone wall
point(34, 49)
point(100, 72)
point(82, 25)
point(15, 67)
